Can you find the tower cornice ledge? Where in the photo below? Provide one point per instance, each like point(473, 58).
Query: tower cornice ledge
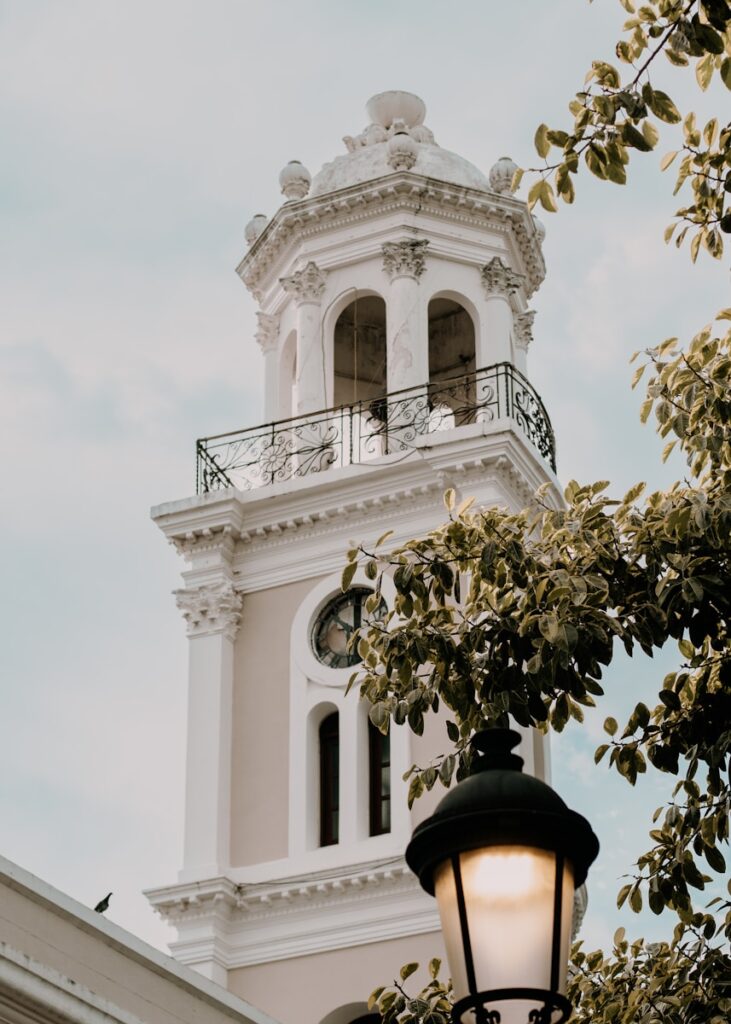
point(402, 191)
point(315, 517)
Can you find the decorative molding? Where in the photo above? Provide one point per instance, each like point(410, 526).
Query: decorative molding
point(267, 331)
point(400, 192)
point(404, 259)
point(240, 925)
point(315, 517)
point(498, 279)
point(524, 328)
point(211, 608)
point(307, 285)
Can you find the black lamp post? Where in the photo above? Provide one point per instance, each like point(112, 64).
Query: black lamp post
point(504, 854)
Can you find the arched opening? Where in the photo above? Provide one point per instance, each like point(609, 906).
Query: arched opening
point(451, 364)
point(360, 351)
point(351, 1013)
point(329, 737)
point(379, 781)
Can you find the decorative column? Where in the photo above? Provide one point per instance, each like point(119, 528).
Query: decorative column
point(212, 612)
point(407, 345)
point(267, 335)
point(523, 334)
point(307, 286)
point(499, 283)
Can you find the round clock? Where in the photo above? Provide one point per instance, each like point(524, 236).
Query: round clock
point(337, 622)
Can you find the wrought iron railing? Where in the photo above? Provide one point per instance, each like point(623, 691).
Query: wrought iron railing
point(361, 432)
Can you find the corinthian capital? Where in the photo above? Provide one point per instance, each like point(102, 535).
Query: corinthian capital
point(307, 285)
point(404, 259)
point(267, 331)
point(499, 279)
point(211, 608)
point(524, 328)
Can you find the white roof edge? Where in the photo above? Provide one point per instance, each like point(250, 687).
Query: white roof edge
point(40, 892)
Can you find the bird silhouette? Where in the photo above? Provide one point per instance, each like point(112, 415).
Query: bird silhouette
point(102, 904)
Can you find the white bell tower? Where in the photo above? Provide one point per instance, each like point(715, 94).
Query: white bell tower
point(394, 319)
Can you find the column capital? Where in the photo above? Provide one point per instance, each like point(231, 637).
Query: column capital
point(267, 331)
point(524, 328)
point(213, 608)
point(307, 285)
point(498, 279)
point(404, 259)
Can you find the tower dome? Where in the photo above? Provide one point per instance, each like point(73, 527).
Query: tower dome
point(368, 155)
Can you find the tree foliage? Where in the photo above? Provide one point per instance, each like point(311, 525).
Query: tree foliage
point(500, 615)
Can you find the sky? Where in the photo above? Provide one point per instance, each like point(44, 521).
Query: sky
point(138, 139)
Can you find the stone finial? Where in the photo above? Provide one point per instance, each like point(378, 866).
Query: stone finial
point(499, 279)
point(211, 608)
point(294, 180)
point(523, 323)
point(396, 105)
point(540, 229)
point(307, 285)
point(255, 227)
point(267, 331)
point(501, 174)
point(402, 152)
point(404, 259)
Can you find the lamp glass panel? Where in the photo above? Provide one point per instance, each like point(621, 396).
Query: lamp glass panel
point(509, 900)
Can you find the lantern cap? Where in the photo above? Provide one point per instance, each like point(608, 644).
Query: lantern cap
point(498, 805)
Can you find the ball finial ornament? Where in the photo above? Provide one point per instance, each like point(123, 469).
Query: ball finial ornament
point(295, 180)
point(255, 227)
point(501, 174)
point(402, 152)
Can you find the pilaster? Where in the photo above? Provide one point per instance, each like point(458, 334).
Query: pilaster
point(212, 612)
point(499, 284)
point(523, 336)
point(407, 345)
point(267, 335)
point(307, 286)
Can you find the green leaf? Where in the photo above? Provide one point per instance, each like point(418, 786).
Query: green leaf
point(543, 146)
point(516, 179)
point(600, 752)
point(668, 159)
point(434, 967)
point(663, 107)
point(348, 573)
point(407, 970)
point(635, 899)
point(611, 726)
point(621, 898)
point(635, 138)
point(449, 499)
point(384, 537)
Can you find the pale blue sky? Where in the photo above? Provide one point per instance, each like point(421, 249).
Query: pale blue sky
point(137, 140)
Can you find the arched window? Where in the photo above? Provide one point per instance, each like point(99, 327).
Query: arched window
point(451, 365)
point(379, 779)
point(360, 351)
point(329, 779)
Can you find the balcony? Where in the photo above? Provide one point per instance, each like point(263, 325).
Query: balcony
point(360, 433)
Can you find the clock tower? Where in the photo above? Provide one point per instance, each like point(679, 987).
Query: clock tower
point(394, 322)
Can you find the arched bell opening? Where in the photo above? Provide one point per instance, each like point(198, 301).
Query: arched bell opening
point(360, 351)
point(452, 364)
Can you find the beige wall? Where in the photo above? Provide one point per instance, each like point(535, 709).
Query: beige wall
point(306, 989)
point(260, 746)
point(53, 949)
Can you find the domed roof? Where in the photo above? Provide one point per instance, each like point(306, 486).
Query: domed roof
point(369, 155)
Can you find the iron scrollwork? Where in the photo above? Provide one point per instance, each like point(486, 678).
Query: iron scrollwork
point(358, 433)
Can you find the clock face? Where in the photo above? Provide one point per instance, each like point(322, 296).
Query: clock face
point(337, 622)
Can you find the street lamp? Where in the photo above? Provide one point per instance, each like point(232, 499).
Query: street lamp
point(504, 854)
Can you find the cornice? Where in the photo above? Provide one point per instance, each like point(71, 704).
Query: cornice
point(402, 190)
point(249, 923)
point(314, 517)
